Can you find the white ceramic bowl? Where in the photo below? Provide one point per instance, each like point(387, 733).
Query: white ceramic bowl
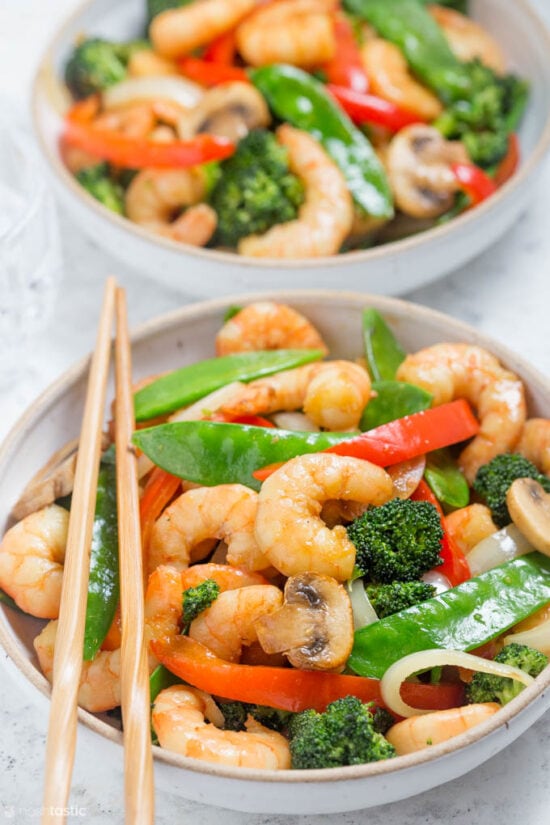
point(186, 336)
point(390, 269)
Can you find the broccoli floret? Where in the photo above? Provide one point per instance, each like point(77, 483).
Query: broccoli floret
point(256, 189)
point(391, 598)
point(398, 541)
point(97, 181)
point(343, 735)
point(382, 720)
point(485, 687)
point(196, 599)
point(495, 478)
point(484, 121)
point(236, 713)
point(96, 64)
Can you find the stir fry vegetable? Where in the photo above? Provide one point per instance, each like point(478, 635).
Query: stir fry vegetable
point(315, 597)
point(385, 110)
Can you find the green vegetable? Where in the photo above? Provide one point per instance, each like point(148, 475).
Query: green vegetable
point(211, 453)
point(103, 585)
point(410, 26)
point(95, 64)
point(485, 687)
point(495, 478)
point(236, 713)
point(398, 541)
point(256, 189)
point(188, 384)
point(97, 181)
point(196, 599)
point(393, 399)
point(343, 735)
point(463, 618)
point(457, 5)
point(383, 351)
point(446, 480)
point(391, 598)
point(160, 679)
point(298, 98)
point(155, 7)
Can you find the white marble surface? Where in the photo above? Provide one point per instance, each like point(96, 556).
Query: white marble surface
point(506, 293)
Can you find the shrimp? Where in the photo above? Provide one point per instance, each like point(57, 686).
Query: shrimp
point(534, 443)
point(390, 78)
point(225, 512)
point(325, 217)
point(464, 371)
point(155, 194)
point(419, 732)
point(178, 720)
point(296, 32)
point(289, 529)
point(32, 553)
point(228, 624)
point(467, 39)
point(175, 32)
point(332, 395)
point(145, 63)
point(266, 325)
point(470, 525)
point(99, 680)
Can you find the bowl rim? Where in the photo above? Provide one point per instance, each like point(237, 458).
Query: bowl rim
point(204, 308)
point(45, 70)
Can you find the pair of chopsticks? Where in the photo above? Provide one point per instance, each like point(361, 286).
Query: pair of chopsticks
point(61, 740)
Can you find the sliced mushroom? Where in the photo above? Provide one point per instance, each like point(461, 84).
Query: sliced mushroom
point(419, 167)
point(314, 627)
point(230, 111)
point(529, 507)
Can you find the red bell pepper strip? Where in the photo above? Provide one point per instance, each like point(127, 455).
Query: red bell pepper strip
point(454, 567)
point(285, 688)
point(210, 74)
point(159, 491)
point(346, 67)
point(510, 162)
point(474, 182)
point(407, 437)
point(222, 49)
point(365, 108)
point(137, 153)
point(251, 420)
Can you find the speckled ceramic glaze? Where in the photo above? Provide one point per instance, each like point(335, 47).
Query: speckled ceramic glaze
point(390, 269)
point(184, 337)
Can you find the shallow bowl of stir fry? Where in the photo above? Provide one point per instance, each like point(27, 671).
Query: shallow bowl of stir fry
point(344, 507)
point(231, 145)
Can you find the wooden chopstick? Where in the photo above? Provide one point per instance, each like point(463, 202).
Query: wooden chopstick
point(61, 739)
point(138, 760)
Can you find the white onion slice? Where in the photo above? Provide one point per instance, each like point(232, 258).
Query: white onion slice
point(185, 93)
point(406, 476)
point(393, 678)
point(502, 546)
point(363, 611)
point(537, 637)
point(438, 580)
point(210, 403)
point(294, 421)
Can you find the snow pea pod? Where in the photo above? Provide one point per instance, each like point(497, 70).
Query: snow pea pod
point(383, 351)
point(462, 618)
point(299, 99)
point(210, 453)
point(188, 384)
point(393, 399)
point(103, 586)
point(446, 480)
point(408, 24)
point(160, 679)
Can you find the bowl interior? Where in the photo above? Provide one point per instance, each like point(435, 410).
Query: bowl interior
point(186, 336)
point(388, 269)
